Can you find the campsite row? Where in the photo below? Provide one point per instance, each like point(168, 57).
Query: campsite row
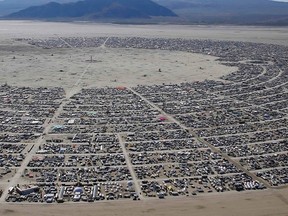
point(162, 140)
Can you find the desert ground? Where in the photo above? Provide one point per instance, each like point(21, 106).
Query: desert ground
point(14, 29)
point(27, 65)
point(64, 67)
point(22, 64)
point(263, 203)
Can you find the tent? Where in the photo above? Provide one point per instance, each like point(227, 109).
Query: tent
point(78, 190)
point(121, 88)
point(162, 118)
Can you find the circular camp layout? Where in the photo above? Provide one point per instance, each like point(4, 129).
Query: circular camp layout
point(135, 118)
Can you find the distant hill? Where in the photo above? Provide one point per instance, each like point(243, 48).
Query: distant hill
point(236, 12)
point(11, 6)
point(94, 9)
point(229, 11)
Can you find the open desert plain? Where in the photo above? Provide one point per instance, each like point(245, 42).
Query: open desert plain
point(106, 119)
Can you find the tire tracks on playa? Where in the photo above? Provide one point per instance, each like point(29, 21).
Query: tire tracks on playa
point(103, 46)
point(76, 86)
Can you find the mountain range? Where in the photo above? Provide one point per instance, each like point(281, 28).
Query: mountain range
point(242, 12)
point(11, 6)
point(256, 12)
point(94, 9)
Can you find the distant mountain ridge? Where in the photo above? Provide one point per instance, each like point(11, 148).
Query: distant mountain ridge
point(12, 6)
point(235, 12)
point(93, 9)
point(229, 11)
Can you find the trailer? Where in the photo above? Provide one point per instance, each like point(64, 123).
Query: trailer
point(94, 192)
point(60, 198)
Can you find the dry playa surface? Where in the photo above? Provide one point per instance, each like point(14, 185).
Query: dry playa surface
point(25, 65)
point(32, 29)
point(261, 203)
point(30, 66)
